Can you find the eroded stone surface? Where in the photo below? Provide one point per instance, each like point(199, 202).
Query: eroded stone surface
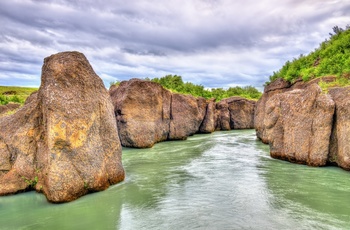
point(208, 124)
point(64, 140)
point(297, 123)
point(147, 113)
point(340, 141)
point(241, 112)
point(143, 112)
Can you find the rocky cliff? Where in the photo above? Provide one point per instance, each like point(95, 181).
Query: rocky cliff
point(146, 113)
point(340, 140)
point(235, 113)
point(64, 141)
point(142, 110)
point(304, 125)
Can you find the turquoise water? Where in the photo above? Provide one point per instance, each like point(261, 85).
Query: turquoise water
point(225, 180)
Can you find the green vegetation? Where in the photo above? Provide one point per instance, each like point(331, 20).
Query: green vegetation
point(175, 84)
point(331, 58)
point(10, 112)
point(86, 185)
point(31, 182)
point(341, 81)
point(117, 83)
point(14, 94)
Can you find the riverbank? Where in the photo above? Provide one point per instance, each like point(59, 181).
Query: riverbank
point(302, 124)
point(224, 180)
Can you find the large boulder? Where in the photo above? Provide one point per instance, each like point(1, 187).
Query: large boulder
point(187, 114)
point(222, 116)
point(147, 113)
point(241, 112)
point(202, 104)
point(340, 141)
point(208, 124)
point(142, 110)
point(297, 125)
point(235, 113)
point(64, 140)
point(278, 84)
point(276, 87)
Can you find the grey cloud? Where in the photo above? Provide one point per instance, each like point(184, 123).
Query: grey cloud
point(143, 52)
point(135, 36)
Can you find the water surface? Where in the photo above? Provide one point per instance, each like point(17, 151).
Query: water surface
point(225, 180)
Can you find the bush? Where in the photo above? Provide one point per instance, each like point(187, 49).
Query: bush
point(16, 99)
point(176, 84)
point(4, 100)
point(331, 58)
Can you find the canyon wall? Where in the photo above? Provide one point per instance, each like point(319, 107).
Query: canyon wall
point(146, 113)
point(302, 124)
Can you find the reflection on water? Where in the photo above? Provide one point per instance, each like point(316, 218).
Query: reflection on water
point(224, 180)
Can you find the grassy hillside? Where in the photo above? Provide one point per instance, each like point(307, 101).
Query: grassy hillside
point(332, 57)
point(14, 94)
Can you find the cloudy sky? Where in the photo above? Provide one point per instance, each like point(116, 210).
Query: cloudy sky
point(216, 43)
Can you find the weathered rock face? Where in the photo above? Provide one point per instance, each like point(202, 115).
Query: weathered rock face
point(340, 141)
point(142, 110)
point(303, 125)
point(298, 125)
point(186, 116)
point(64, 140)
point(208, 124)
point(9, 107)
point(147, 113)
point(276, 87)
point(222, 116)
point(202, 109)
point(279, 84)
point(235, 113)
point(241, 112)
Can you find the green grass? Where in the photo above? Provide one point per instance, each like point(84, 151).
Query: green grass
point(332, 57)
point(341, 81)
point(14, 94)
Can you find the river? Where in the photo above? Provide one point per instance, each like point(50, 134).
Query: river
point(224, 180)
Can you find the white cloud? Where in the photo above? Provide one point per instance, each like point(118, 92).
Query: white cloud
point(211, 42)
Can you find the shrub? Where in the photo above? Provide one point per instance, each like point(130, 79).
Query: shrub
point(332, 57)
point(176, 84)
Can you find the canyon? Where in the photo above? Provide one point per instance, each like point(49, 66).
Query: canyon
point(66, 141)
